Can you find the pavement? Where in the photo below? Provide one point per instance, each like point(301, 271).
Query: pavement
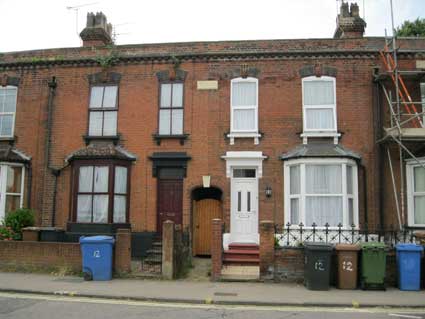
point(224, 293)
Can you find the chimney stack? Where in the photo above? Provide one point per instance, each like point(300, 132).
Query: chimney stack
point(98, 32)
point(348, 23)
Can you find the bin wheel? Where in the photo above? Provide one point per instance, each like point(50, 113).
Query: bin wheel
point(87, 276)
point(362, 285)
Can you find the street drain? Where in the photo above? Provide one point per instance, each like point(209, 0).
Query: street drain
point(225, 294)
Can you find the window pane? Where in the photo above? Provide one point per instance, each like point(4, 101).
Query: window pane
point(244, 120)
point(164, 122)
point(14, 179)
point(419, 173)
point(96, 97)
point(177, 94)
point(350, 211)
point(95, 125)
point(165, 95)
point(100, 208)
point(322, 210)
point(120, 180)
point(110, 124)
point(101, 174)
point(6, 123)
point(239, 201)
point(177, 124)
point(318, 93)
point(318, 119)
point(85, 183)
point(419, 209)
point(243, 173)
point(295, 211)
point(349, 179)
point(119, 209)
point(294, 172)
point(248, 201)
point(13, 202)
point(10, 101)
point(244, 93)
point(323, 179)
point(84, 208)
point(110, 96)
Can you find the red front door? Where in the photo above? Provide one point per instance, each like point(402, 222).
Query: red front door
point(170, 201)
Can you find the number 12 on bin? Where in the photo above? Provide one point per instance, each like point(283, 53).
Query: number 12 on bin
point(96, 254)
point(347, 265)
point(319, 265)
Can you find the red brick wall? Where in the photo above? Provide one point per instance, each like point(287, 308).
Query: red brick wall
point(45, 255)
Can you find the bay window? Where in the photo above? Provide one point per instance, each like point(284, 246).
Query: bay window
point(101, 192)
point(11, 188)
point(321, 191)
point(8, 96)
point(319, 104)
point(103, 110)
point(171, 109)
point(415, 174)
point(244, 105)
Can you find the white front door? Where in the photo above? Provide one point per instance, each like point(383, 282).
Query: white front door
point(244, 206)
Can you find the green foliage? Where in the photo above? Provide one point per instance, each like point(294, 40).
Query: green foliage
point(412, 28)
point(6, 233)
point(19, 219)
point(106, 61)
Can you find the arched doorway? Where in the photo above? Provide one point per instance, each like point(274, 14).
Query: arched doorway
point(206, 205)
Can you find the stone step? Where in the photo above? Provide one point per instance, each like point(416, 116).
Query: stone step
point(241, 261)
point(152, 260)
point(240, 273)
point(154, 251)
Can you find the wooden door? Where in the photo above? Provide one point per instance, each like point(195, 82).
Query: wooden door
point(170, 201)
point(204, 211)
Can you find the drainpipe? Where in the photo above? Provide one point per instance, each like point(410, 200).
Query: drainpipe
point(366, 219)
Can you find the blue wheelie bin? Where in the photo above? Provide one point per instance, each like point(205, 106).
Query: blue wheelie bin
point(409, 266)
point(97, 257)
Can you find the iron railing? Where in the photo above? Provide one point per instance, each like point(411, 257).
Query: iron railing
point(297, 235)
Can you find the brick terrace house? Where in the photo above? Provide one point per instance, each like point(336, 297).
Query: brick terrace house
point(103, 136)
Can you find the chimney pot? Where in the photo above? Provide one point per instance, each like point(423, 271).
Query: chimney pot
point(348, 23)
point(98, 32)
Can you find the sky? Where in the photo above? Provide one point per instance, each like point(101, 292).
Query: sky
point(39, 24)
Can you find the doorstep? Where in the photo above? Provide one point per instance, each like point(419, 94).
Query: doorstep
point(240, 273)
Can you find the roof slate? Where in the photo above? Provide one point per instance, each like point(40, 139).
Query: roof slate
point(320, 150)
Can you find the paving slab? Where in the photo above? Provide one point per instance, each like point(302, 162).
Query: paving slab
point(271, 294)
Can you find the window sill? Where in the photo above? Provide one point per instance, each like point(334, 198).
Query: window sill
point(255, 135)
point(306, 135)
point(159, 137)
point(114, 139)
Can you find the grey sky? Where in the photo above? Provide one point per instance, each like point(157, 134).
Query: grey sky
point(37, 24)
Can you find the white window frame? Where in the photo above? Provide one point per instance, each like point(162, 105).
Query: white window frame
point(10, 113)
point(319, 132)
point(244, 133)
point(102, 110)
point(410, 165)
point(3, 187)
point(302, 196)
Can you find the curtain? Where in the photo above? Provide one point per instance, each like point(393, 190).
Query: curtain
point(165, 95)
point(101, 178)
point(349, 180)
point(14, 179)
point(100, 208)
point(322, 118)
point(120, 180)
point(319, 92)
point(244, 93)
point(244, 120)
point(323, 179)
point(119, 209)
point(84, 208)
point(295, 211)
point(96, 97)
point(177, 122)
point(419, 209)
point(322, 210)
point(177, 95)
point(110, 96)
point(85, 183)
point(95, 124)
point(110, 123)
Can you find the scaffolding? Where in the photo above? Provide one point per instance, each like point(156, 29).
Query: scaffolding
point(406, 122)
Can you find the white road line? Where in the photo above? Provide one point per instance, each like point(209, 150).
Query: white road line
point(404, 316)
